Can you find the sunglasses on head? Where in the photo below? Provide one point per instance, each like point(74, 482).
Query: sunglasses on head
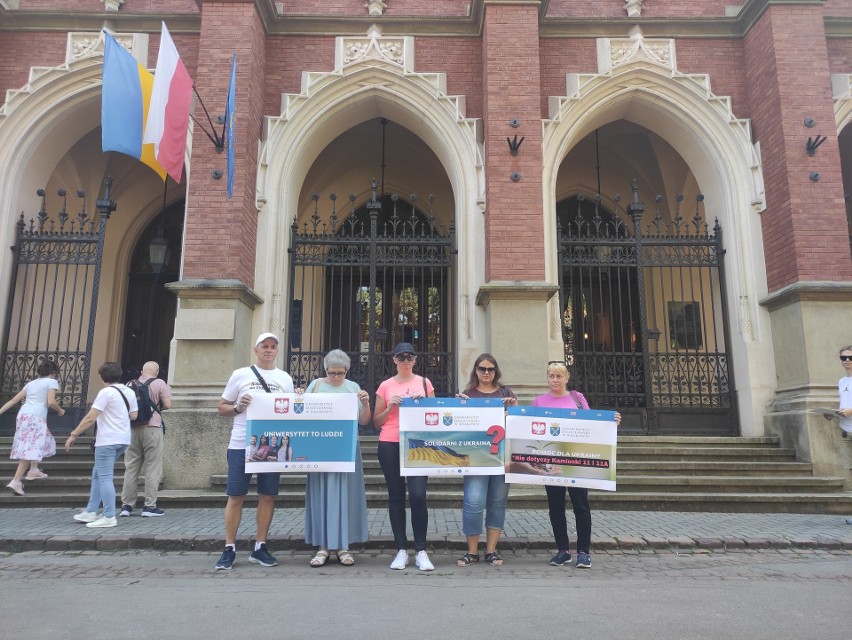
point(486, 369)
point(405, 357)
point(846, 358)
point(562, 362)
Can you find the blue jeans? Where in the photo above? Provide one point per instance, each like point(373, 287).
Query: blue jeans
point(481, 492)
point(103, 484)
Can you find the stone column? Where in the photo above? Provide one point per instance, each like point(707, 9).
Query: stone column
point(516, 291)
point(214, 328)
point(808, 264)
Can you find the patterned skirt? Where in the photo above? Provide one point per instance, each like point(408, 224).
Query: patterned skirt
point(33, 440)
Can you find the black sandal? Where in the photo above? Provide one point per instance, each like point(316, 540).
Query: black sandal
point(493, 558)
point(468, 559)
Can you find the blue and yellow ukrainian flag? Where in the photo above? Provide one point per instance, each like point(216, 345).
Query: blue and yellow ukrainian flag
point(438, 455)
point(126, 95)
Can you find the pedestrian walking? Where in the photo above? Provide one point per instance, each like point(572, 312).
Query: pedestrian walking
point(113, 409)
point(33, 441)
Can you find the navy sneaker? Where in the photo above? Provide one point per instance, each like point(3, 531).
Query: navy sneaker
point(126, 510)
point(227, 560)
point(584, 561)
point(263, 557)
point(152, 512)
point(561, 558)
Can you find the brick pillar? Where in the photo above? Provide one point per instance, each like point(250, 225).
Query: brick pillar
point(808, 265)
point(515, 296)
point(214, 327)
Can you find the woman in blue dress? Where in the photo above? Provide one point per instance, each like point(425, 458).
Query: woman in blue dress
point(336, 503)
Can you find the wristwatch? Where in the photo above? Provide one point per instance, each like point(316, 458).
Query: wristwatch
point(236, 410)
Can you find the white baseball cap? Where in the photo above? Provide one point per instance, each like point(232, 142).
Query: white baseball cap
point(264, 336)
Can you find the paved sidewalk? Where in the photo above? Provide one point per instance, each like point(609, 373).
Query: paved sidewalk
point(53, 529)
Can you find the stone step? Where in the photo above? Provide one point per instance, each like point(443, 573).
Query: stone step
point(707, 467)
point(534, 498)
point(775, 454)
point(630, 483)
point(67, 484)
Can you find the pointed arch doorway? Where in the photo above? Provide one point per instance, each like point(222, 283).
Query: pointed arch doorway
point(380, 274)
point(149, 318)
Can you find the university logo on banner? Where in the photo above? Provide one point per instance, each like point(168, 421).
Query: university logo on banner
point(431, 419)
point(554, 429)
point(282, 405)
point(538, 428)
point(298, 407)
point(448, 419)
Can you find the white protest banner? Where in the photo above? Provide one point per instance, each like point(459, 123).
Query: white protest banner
point(561, 447)
point(290, 433)
point(451, 436)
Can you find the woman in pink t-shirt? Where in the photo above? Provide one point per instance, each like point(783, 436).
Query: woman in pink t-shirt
point(389, 395)
point(559, 397)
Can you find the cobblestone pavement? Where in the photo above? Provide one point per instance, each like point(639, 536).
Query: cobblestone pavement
point(201, 529)
point(641, 594)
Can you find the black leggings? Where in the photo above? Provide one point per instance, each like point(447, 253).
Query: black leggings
point(389, 460)
point(582, 516)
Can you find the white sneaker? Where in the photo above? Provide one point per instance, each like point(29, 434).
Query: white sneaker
point(401, 560)
point(86, 516)
point(422, 561)
point(103, 523)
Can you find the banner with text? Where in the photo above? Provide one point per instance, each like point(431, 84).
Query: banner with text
point(451, 436)
point(290, 433)
point(561, 447)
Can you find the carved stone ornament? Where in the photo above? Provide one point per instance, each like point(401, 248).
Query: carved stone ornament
point(626, 50)
point(83, 45)
point(633, 8)
point(376, 7)
point(375, 45)
point(113, 5)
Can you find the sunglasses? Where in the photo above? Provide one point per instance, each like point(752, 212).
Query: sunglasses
point(486, 369)
point(405, 357)
point(846, 358)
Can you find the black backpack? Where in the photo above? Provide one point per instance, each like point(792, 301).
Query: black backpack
point(146, 408)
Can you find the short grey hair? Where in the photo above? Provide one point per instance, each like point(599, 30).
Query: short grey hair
point(336, 358)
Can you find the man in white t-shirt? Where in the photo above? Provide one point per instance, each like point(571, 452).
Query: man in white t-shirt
point(844, 388)
point(264, 377)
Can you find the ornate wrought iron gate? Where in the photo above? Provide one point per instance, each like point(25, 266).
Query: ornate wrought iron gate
point(384, 274)
point(644, 316)
point(53, 299)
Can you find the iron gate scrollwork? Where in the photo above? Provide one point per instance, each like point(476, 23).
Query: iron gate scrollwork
point(383, 274)
point(53, 300)
point(644, 315)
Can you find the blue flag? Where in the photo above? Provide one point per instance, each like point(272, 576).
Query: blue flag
point(230, 114)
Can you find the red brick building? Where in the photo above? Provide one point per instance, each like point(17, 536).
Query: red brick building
point(656, 191)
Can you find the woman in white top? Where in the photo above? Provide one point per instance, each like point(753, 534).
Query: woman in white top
point(33, 441)
point(113, 409)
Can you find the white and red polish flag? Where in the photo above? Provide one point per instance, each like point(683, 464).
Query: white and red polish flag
point(168, 115)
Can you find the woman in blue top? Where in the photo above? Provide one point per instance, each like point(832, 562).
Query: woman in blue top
point(336, 503)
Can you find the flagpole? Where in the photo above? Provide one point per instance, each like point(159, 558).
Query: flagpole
point(218, 142)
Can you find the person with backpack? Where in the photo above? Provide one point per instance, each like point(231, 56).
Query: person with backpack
point(147, 442)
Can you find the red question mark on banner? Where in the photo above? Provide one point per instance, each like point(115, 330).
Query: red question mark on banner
point(497, 434)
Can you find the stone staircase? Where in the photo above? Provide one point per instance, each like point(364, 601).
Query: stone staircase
point(716, 474)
